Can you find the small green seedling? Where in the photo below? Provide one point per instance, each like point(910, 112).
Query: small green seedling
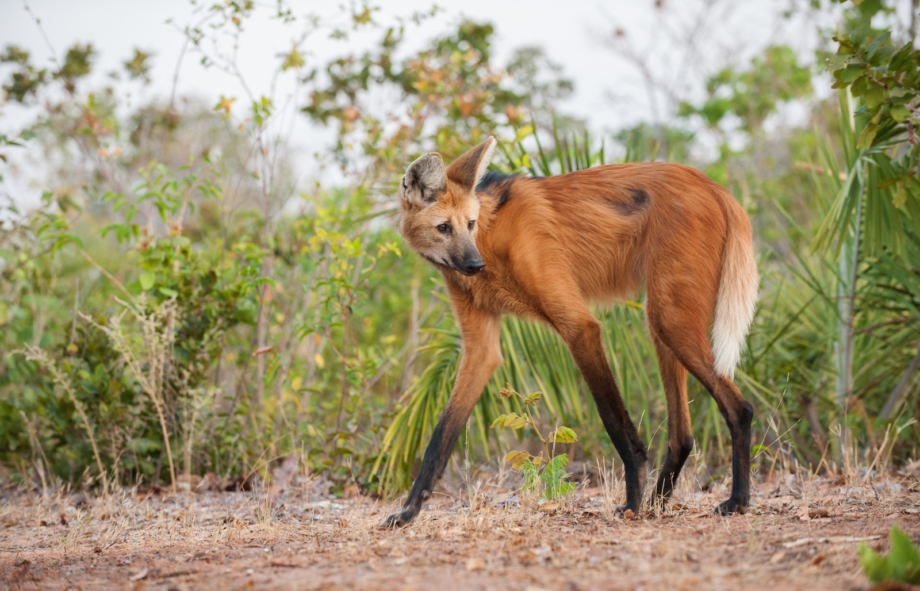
point(901, 564)
point(538, 470)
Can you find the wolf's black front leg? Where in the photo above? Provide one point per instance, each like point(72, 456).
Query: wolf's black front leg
point(435, 460)
point(481, 356)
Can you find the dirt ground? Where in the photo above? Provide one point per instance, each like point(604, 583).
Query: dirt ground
point(802, 533)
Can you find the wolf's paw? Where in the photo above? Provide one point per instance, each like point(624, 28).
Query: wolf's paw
point(621, 510)
point(399, 519)
point(730, 507)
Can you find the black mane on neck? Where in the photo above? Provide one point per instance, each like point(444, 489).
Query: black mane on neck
point(498, 185)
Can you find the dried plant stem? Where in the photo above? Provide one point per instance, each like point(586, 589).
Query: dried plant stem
point(36, 444)
point(156, 345)
point(111, 277)
point(40, 356)
point(534, 425)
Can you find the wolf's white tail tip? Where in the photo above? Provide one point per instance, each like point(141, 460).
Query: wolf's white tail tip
point(737, 297)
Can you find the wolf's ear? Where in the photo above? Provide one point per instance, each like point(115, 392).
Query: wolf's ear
point(424, 179)
point(468, 168)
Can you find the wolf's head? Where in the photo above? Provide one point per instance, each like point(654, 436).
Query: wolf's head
point(439, 208)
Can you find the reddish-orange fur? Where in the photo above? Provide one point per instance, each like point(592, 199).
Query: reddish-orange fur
point(550, 246)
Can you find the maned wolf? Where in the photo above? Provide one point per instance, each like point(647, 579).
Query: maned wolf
point(543, 247)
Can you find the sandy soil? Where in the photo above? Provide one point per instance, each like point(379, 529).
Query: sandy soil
point(800, 534)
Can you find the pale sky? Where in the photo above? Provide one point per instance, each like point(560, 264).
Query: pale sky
point(610, 93)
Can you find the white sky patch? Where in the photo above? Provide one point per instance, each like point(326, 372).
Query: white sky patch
point(609, 91)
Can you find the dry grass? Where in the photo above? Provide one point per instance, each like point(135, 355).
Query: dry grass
point(487, 538)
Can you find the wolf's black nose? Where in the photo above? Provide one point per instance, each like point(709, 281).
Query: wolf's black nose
point(474, 266)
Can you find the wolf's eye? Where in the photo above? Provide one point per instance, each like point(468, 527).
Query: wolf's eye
point(471, 224)
point(444, 228)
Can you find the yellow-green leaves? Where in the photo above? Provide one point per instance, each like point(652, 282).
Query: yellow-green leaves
point(293, 60)
point(519, 458)
point(511, 421)
point(562, 435)
point(529, 400)
point(148, 280)
point(523, 133)
point(532, 399)
point(224, 105)
point(541, 473)
point(262, 110)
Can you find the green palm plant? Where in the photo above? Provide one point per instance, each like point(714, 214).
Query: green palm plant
point(876, 207)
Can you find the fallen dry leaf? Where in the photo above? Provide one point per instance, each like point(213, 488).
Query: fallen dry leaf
point(628, 515)
point(550, 507)
point(475, 564)
point(818, 513)
point(806, 514)
point(528, 556)
point(140, 575)
point(818, 559)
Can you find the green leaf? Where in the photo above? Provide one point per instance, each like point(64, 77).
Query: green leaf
point(900, 113)
point(523, 133)
point(860, 87)
point(875, 96)
point(170, 293)
point(757, 449)
point(900, 196)
point(850, 73)
point(563, 435)
point(904, 556)
point(867, 136)
point(901, 564)
point(148, 280)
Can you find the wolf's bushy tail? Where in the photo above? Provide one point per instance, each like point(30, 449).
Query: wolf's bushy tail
point(737, 297)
